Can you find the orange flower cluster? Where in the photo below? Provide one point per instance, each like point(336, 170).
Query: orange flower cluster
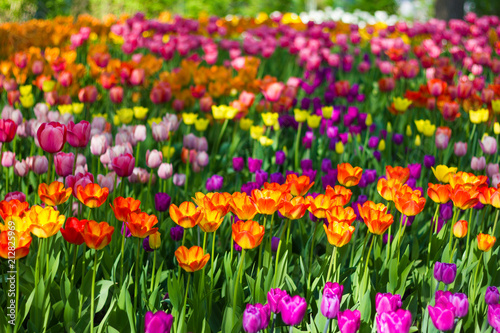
point(465, 191)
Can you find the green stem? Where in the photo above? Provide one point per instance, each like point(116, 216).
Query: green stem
point(73, 268)
point(211, 274)
point(333, 258)
point(122, 253)
point(83, 275)
point(311, 251)
point(47, 259)
point(494, 224)
point(368, 255)
point(297, 140)
point(260, 247)
point(51, 158)
point(242, 259)
point(153, 272)
point(203, 271)
point(92, 295)
point(136, 280)
point(430, 236)
point(455, 213)
point(278, 253)
point(475, 276)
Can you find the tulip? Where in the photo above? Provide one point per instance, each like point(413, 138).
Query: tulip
point(45, 222)
point(97, 235)
point(51, 137)
point(429, 161)
point(485, 242)
point(488, 145)
point(63, 163)
point(20, 240)
point(176, 233)
point(141, 224)
point(162, 202)
point(292, 309)
point(461, 304)
point(72, 231)
point(330, 304)
point(123, 165)
point(493, 315)
point(187, 215)
point(214, 183)
point(442, 316)
point(348, 175)
point(274, 297)
point(192, 259)
point(20, 196)
point(460, 229)
point(179, 179)
point(252, 321)
point(158, 322)
point(92, 195)
point(54, 194)
point(238, 164)
point(478, 164)
point(78, 135)
point(247, 234)
point(387, 302)
point(98, 145)
point(153, 158)
point(8, 159)
point(254, 164)
point(444, 272)
point(8, 129)
point(349, 321)
point(460, 148)
point(492, 296)
point(40, 165)
point(116, 94)
point(396, 321)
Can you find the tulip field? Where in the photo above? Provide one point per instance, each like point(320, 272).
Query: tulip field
point(242, 174)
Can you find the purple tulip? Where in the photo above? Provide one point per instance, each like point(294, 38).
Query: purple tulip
point(330, 179)
point(162, 201)
point(494, 316)
point(252, 321)
point(249, 187)
point(280, 157)
point(238, 164)
point(254, 164)
point(265, 315)
point(277, 177)
point(398, 138)
point(415, 170)
point(461, 304)
point(444, 272)
point(126, 231)
point(274, 297)
point(261, 177)
point(310, 173)
point(377, 155)
point(306, 164)
point(373, 142)
point(326, 165)
point(214, 183)
point(145, 245)
point(442, 316)
point(349, 321)
point(446, 211)
point(429, 161)
point(330, 304)
point(371, 175)
point(176, 233)
point(292, 309)
point(398, 321)
point(275, 242)
point(387, 302)
point(158, 322)
point(492, 296)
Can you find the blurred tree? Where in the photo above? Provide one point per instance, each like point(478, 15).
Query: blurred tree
point(485, 7)
point(449, 9)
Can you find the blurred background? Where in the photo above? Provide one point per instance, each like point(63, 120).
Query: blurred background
point(23, 10)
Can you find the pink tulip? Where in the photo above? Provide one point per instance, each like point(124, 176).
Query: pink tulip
point(108, 181)
point(160, 131)
point(21, 168)
point(460, 148)
point(15, 196)
point(492, 169)
point(8, 159)
point(78, 134)
point(64, 163)
point(165, 171)
point(51, 137)
point(39, 164)
point(153, 158)
point(98, 145)
point(116, 94)
point(137, 76)
point(272, 92)
point(79, 179)
point(140, 133)
point(123, 165)
point(88, 94)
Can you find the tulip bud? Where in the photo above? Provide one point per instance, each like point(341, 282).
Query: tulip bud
point(251, 319)
point(460, 229)
point(492, 296)
point(40, 165)
point(179, 179)
point(330, 304)
point(349, 321)
point(64, 163)
point(165, 170)
point(8, 159)
point(387, 302)
point(176, 233)
point(153, 158)
point(155, 240)
point(162, 201)
point(274, 297)
point(460, 148)
point(478, 164)
point(292, 309)
point(396, 321)
point(444, 272)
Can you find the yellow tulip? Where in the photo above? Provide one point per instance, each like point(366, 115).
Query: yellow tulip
point(300, 115)
point(77, 108)
point(369, 120)
point(313, 121)
point(168, 152)
point(401, 104)
point(27, 101)
point(201, 124)
point(265, 141)
point(420, 125)
point(140, 112)
point(408, 130)
point(256, 132)
point(339, 147)
point(26, 90)
point(418, 142)
point(116, 120)
point(125, 115)
point(381, 145)
point(429, 130)
point(495, 105)
point(99, 115)
point(479, 116)
point(189, 118)
point(328, 111)
point(48, 85)
point(442, 173)
point(270, 118)
point(496, 128)
point(65, 108)
point(389, 127)
point(152, 120)
point(246, 123)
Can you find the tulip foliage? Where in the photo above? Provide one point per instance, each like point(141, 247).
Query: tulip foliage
point(228, 174)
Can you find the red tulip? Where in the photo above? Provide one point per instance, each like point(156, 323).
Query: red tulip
point(73, 229)
point(87, 94)
point(51, 137)
point(116, 94)
point(123, 165)
point(8, 130)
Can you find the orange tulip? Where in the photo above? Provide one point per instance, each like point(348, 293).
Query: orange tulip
point(369, 206)
point(141, 224)
point(485, 194)
point(467, 180)
point(464, 198)
point(12, 208)
point(267, 202)
point(298, 185)
point(399, 173)
point(248, 234)
point(242, 206)
point(285, 188)
point(122, 207)
point(340, 214)
point(347, 175)
point(338, 234)
point(439, 193)
point(387, 188)
point(485, 242)
point(409, 203)
point(295, 208)
point(14, 244)
point(338, 194)
point(320, 205)
point(211, 221)
point(187, 215)
point(45, 222)
point(377, 221)
point(97, 235)
point(54, 194)
point(191, 260)
point(92, 195)
point(460, 229)
point(214, 201)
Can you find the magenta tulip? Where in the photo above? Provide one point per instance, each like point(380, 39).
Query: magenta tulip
point(78, 134)
point(51, 137)
point(123, 165)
